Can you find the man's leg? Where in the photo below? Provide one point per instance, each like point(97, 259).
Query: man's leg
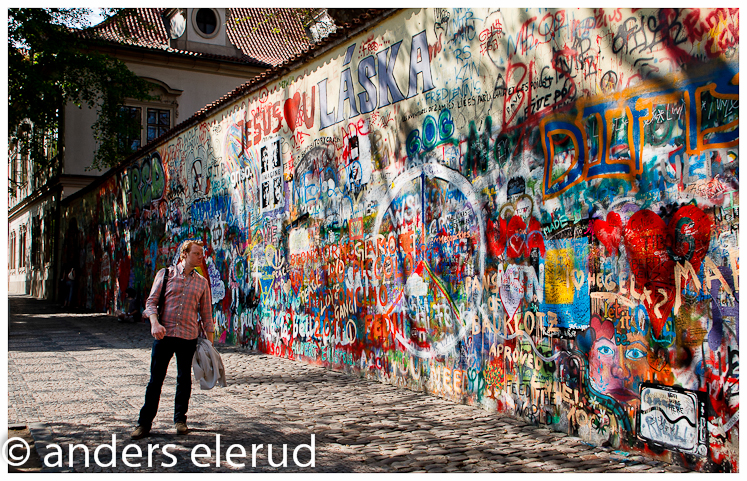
point(159, 363)
point(185, 351)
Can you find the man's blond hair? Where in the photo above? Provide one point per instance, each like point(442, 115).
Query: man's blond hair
point(187, 246)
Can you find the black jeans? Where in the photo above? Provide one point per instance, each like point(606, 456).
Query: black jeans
point(160, 358)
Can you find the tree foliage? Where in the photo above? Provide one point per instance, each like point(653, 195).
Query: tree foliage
point(49, 65)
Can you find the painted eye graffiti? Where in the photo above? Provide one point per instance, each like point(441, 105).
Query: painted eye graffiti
point(635, 354)
point(605, 350)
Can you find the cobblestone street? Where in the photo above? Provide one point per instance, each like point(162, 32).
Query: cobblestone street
point(80, 378)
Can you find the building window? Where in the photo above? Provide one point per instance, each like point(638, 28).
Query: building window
point(130, 142)
point(150, 119)
point(206, 21)
point(12, 253)
point(22, 247)
point(159, 121)
point(156, 121)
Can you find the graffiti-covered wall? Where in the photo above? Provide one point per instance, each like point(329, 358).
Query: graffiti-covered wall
point(531, 210)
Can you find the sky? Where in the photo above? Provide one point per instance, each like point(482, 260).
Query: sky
point(96, 17)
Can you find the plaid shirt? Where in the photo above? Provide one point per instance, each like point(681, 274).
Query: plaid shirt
point(186, 296)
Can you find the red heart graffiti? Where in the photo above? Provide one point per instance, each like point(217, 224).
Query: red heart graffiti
point(690, 232)
point(609, 232)
point(534, 237)
point(653, 251)
point(520, 240)
point(646, 243)
point(290, 109)
point(516, 237)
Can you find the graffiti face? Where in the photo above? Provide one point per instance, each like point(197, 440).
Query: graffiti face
point(618, 361)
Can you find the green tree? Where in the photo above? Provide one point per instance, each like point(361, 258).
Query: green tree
point(49, 65)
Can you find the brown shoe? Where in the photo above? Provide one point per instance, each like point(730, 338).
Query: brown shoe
point(140, 432)
point(181, 428)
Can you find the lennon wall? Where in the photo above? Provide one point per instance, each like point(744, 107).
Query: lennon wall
point(531, 210)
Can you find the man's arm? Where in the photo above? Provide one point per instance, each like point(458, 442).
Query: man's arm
point(156, 329)
point(151, 306)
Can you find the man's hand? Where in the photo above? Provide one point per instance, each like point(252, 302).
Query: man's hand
point(156, 329)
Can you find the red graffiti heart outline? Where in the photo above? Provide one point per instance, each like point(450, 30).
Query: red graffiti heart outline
point(654, 249)
point(520, 240)
point(609, 232)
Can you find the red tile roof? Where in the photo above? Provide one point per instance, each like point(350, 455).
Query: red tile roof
point(266, 36)
point(142, 27)
point(270, 35)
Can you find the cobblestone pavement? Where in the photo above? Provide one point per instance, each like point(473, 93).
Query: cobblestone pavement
point(80, 378)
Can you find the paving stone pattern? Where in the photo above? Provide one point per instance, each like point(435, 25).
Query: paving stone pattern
point(77, 378)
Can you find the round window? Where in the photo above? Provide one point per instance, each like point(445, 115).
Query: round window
point(206, 21)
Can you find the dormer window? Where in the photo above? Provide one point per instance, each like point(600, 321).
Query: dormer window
point(206, 31)
point(150, 119)
point(205, 21)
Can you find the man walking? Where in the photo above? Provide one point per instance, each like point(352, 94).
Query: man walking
point(187, 295)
